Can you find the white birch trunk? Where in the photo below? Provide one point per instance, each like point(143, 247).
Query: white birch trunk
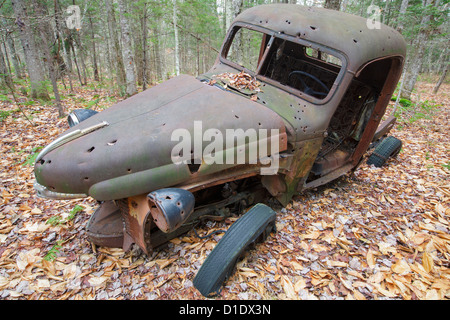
point(402, 13)
point(115, 45)
point(127, 52)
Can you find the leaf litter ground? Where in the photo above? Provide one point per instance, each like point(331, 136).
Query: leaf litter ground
point(379, 233)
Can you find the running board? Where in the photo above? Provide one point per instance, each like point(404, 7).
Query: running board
point(329, 177)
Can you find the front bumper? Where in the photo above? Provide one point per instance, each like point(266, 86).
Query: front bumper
point(44, 192)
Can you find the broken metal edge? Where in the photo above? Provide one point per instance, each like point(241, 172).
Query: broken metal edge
point(44, 192)
point(69, 137)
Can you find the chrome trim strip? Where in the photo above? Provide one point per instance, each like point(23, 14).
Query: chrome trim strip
point(69, 137)
point(44, 192)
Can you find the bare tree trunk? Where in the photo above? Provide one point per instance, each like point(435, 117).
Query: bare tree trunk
point(175, 29)
point(387, 12)
point(224, 17)
point(52, 74)
point(136, 33)
point(198, 56)
point(416, 58)
point(157, 51)
point(441, 79)
point(238, 40)
point(14, 57)
point(237, 8)
point(6, 57)
point(5, 76)
point(441, 62)
point(128, 60)
point(34, 67)
point(61, 35)
point(403, 7)
point(45, 31)
point(138, 53)
point(80, 56)
point(67, 54)
point(109, 62)
point(94, 54)
point(144, 49)
point(76, 61)
point(333, 4)
point(120, 70)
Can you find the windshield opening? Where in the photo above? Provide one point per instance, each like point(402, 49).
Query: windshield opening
point(288, 63)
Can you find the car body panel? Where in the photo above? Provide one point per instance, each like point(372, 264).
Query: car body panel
point(132, 154)
point(125, 152)
point(341, 31)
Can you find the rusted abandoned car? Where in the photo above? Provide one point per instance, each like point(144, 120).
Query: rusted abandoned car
point(314, 85)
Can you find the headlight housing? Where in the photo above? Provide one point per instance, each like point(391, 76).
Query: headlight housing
point(79, 115)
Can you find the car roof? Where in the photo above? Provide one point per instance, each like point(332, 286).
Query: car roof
point(338, 30)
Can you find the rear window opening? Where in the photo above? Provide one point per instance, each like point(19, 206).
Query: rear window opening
point(285, 63)
point(323, 56)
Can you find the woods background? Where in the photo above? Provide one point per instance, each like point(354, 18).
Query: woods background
point(127, 46)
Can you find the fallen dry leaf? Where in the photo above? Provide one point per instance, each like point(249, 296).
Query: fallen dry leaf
point(427, 262)
point(380, 233)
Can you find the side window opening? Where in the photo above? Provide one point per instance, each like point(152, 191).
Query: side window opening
point(247, 48)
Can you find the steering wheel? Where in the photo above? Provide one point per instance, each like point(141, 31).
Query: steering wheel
point(308, 89)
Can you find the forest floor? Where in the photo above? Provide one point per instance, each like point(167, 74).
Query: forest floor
point(380, 233)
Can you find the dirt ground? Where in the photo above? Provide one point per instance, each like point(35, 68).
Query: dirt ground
point(380, 233)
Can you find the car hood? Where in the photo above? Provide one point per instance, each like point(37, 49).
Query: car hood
point(126, 149)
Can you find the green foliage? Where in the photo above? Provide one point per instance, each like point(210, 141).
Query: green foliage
point(404, 102)
point(57, 220)
point(29, 103)
point(51, 254)
point(4, 115)
point(92, 103)
point(54, 221)
point(41, 89)
point(412, 20)
point(31, 159)
point(74, 212)
point(5, 98)
point(412, 112)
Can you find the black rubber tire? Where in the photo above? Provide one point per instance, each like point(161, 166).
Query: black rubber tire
point(221, 261)
point(388, 148)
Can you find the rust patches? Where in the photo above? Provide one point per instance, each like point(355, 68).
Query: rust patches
point(135, 211)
